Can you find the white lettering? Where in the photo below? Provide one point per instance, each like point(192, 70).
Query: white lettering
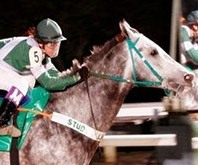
point(16, 96)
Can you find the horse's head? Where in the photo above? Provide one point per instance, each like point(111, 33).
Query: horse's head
point(151, 65)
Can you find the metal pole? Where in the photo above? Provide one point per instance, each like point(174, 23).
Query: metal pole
point(175, 16)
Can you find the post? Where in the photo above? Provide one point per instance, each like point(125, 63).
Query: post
point(175, 17)
point(110, 154)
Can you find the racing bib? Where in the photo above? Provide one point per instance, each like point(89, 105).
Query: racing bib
point(35, 57)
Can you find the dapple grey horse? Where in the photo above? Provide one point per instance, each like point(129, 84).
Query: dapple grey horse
point(127, 60)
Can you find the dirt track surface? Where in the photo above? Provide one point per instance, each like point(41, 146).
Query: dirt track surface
point(129, 158)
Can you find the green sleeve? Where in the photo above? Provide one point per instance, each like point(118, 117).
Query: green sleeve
point(190, 52)
point(193, 54)
point(56, 83)
point(53, 72)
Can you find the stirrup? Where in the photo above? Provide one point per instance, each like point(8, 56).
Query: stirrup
point(10, 130)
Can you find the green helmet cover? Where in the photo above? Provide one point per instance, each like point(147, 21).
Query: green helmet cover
point(192, 18)
point(49, 31)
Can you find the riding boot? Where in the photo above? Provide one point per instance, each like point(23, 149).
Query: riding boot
point(7, 110)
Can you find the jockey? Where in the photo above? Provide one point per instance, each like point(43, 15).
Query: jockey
point(26, 60)
point(189, 41)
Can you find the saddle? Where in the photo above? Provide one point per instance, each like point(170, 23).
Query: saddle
point(39, 99)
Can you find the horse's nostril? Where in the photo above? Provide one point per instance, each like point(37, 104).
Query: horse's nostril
point(188, 77)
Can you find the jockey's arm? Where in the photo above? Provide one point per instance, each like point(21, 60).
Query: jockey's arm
point(187, 45)
point(48, 77)
point(55, 82)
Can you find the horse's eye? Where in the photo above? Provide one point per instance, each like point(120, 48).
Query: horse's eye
point(154, 52)
point(140, 49)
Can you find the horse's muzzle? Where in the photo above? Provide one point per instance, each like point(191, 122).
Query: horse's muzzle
point(188, 78)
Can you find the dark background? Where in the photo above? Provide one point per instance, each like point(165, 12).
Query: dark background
point(91, 22)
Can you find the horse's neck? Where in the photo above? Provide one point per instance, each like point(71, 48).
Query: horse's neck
point(106, 96)
point(95, 104)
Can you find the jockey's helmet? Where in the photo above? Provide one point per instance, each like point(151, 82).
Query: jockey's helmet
point(192, 18)
point(49, 31)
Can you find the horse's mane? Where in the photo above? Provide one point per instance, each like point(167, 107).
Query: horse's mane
point(97, 54)
point(99, 50)
point(104, 48)
point(108, 44)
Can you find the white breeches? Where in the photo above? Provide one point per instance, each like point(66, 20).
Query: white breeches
point(9, 78)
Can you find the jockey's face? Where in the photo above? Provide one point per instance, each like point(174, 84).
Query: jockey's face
point(195, 27)
point(51, 49)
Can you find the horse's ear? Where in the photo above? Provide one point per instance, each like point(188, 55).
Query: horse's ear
point(122, 28)
point(126, 29)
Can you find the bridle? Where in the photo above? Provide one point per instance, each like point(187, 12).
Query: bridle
point(134, 81)
point(132, 46)
point(119, 79)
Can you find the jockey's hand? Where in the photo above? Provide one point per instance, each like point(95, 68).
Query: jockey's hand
point(73, 69)
point(194, 34)
point(75, 66)
point(84, 72)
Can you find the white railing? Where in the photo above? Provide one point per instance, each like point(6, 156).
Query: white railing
point(143, 140)
point(130, 113)
point(138, 111)
point(139, 140)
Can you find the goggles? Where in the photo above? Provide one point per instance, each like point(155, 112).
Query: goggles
point(52, 45)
